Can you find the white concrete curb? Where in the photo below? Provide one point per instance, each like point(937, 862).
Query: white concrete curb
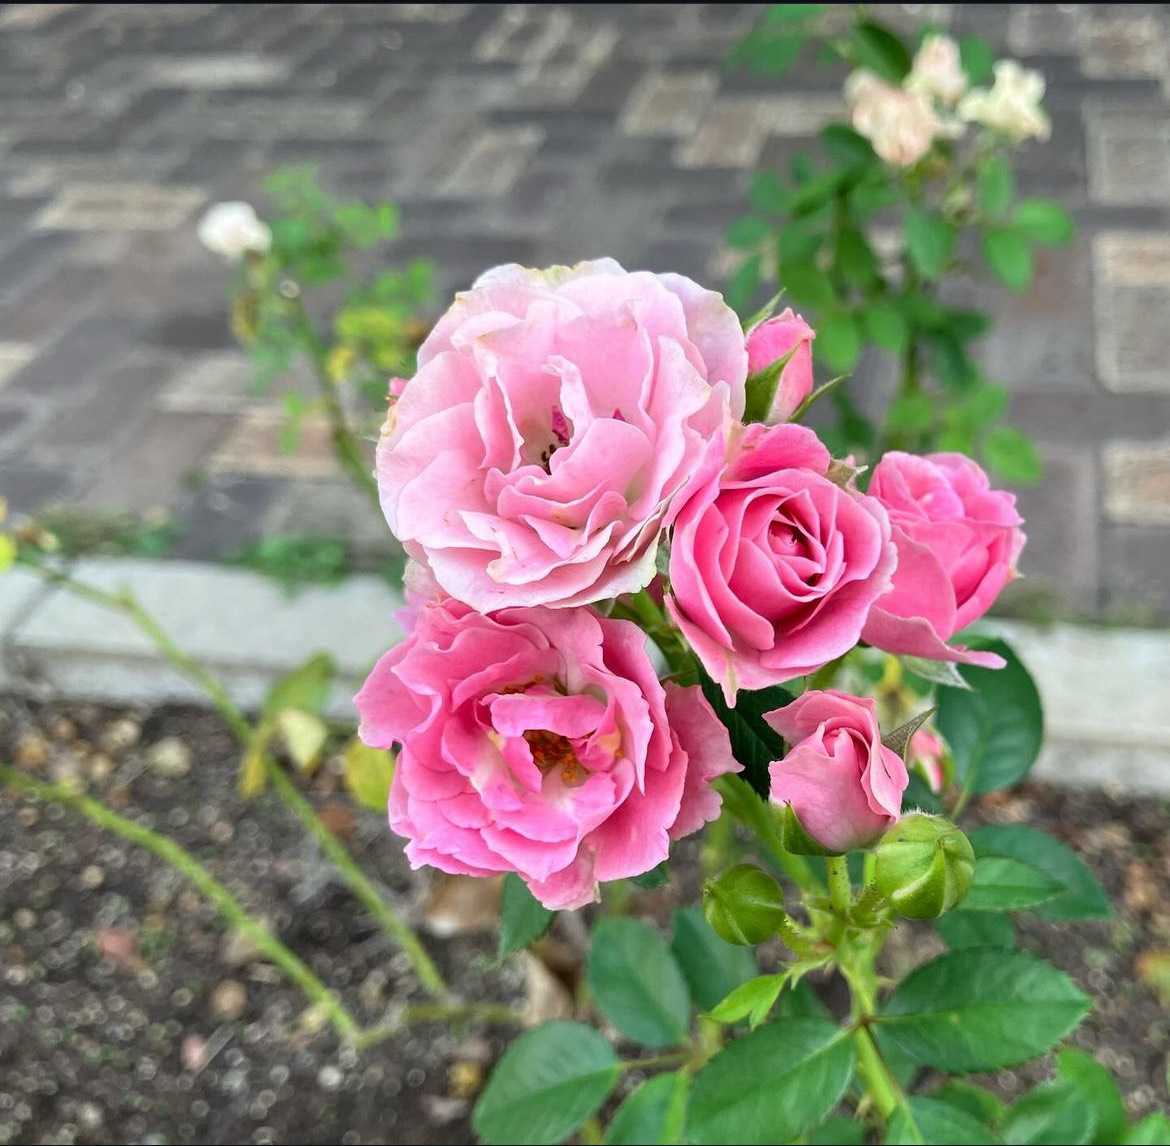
point(1106, 691)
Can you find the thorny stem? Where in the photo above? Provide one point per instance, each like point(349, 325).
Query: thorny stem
point(228, 906)
point(840, 891)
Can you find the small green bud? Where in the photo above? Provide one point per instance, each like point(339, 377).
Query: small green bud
point(924, 866)
point(744, 905)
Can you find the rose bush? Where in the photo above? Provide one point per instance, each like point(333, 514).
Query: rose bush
point(554, 422)
point(540, 741)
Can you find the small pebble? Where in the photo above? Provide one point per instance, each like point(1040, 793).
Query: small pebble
point(32, 750)
point(169, 757)
point(330, 1078)
point(229, 1000)
point(120, 735)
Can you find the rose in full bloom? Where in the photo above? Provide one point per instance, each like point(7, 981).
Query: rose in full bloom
point(1012, 106)
point(937, 71)
point(900, 124)
point(844, 785)
point(555, 419)
point(774, 565)
point(770, 341)
point(232, 230)
point(927, 753)
point(540, 741)
point(958, 540)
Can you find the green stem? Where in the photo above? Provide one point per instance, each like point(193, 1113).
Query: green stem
point(228, 906)
point(840, 890)
point(675, 1058)
point(429, 975)
point(495, 1013)
point(880, 1084)
point(592, 1133)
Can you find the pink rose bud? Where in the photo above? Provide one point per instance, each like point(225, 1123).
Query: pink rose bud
point(843, 784)
point(958, 541)
point(926, 753)
point(773, 565)
point(556, 420)
point(540, 741)
point(770, 341)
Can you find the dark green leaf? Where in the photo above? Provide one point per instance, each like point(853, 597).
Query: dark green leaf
point(961, 929)
point(837, 1131)
point(808, 285)
point(981, 1104)
point(647, 1114)
point(1055, 1114)
point(772, 1084)
point(549, 1081)
point(802, 1001)
point(792, 13)
point(985, 403)
point(1043, 221)
point(1005, 884)
point(935, 1122)
point(1008, 256)
point(1012, 454)
point(711, 966)
point(637, 984)
point(754, 743)
point(885, 325)
point(977, 57)
point(839, 341)
point(654, 878)
point(997, 186)
point(749, 232)
point(930, 241)
point(995, 730)
point(878, 50)
point(800, 241)
point(1082, 897)
point(854, 260)
point(768, 193)
point(1153, 1130)
point(743, 283)
point(845, 147)
point(523, 918)
point(980, 1009)
point(306, 688)
point(1097, 1086)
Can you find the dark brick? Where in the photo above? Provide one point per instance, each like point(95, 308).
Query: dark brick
point(26, 487)
point(35, 256)
point(192, 331)
point(72, 290)
point(222, 515)
point(85, 351)
point(611, 85)
point(1135, 586)
point(1088, 417)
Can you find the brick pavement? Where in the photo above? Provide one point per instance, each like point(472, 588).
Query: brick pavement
point(531, 133)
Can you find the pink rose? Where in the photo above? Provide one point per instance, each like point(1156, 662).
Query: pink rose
point(554, 421)
point(844, 785)
point(773, 566)
point(926, 753)
point(958, 540)
point(540, 741)
point(772, 340)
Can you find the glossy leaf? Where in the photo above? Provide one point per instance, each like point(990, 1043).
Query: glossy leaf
point(523, 918)
point(1008, 256)
point(930, 241)
point(1055, 1114)
point(1098, 1087)
point(652, 1113)
point(754, 743)
point(962, 928)
point(711, 966)
point(935, 1122)
point(1005, 884)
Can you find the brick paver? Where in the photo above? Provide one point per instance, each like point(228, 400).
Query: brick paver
point(531, 133)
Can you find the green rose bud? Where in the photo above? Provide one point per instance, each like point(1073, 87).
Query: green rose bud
point(924, 866)
point(744, 904)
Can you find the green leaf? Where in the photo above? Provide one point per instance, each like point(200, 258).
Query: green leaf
point(930, 241)
point(953, 365)
point(997, 186)
point(1082, 896)
point(910, 413)
point(1043, 221)
point(523, 918)
point(656, 877)
point(961, 929)
point(746, 233)
point(808, 285)
point(985, 403)
point(837, 1131)
point(995, 730)
point(802, 1001)
point(761, 387)
point(854, 260)
point(647, 1114)
point(304, 736)
point(743, 283)
point(768, 193)
point(977, 57)
point(772, 1084)
point(549, 1081)
point(936, 672)
point(1008, 256)
point(839, 341)
point(792, 13)
point(1005, 884)
point(885, 325)
point(1153, 1130)
point(800, 241)
point(981, 1104)
point(637, 984)
point(935, 1122)
point(1050, 1115)
point(978, 1010)
point(754, 996)
point(1012, 454)
point(1096, 1085)
point(368, 774)
point(306, 688)
point(754, 743)
point(846, 148)
point(711, 966)
point(878, 50)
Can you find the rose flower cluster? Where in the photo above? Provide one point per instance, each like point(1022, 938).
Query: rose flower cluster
point(575, 436)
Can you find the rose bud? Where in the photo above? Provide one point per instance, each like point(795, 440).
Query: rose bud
point(744, 905)
point(924, 866)
point(772, 340)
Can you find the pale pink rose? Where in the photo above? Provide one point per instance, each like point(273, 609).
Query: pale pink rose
point(540, 741)
point(1012, 106)
point(900, 124)
point(843, 784)
point(938, 71)
point(927, 753)
point(769, 342)
point(958, 540)
point(773, 566)
point(555, 418)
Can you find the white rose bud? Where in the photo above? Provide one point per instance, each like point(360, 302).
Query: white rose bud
point(232, 230)
point(1012, 106)
point(900, 124)
point(937, 71)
